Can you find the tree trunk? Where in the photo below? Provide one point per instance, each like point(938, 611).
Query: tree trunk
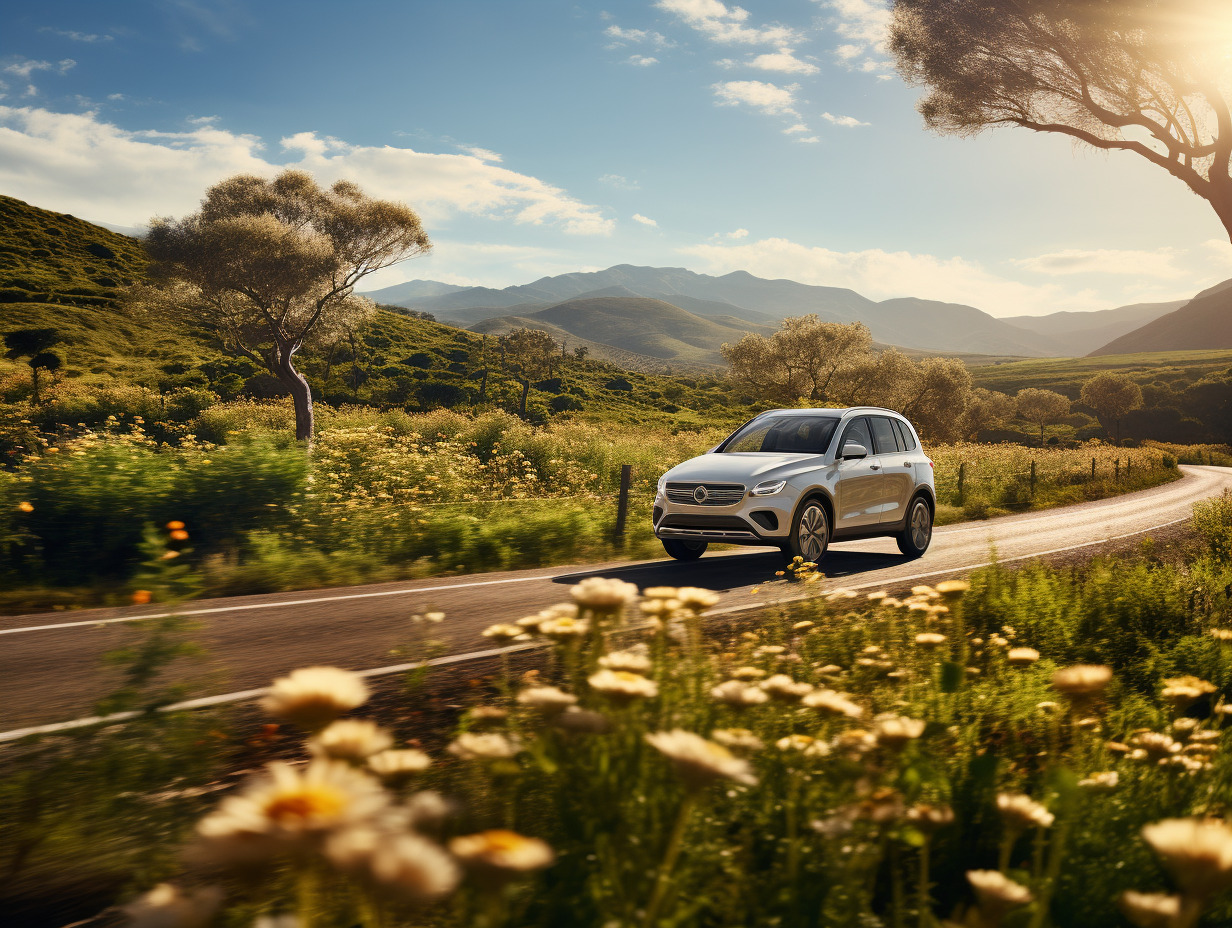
point(525, 391)
point(301, 394)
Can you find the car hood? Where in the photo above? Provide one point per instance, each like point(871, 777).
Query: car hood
point(747, 468)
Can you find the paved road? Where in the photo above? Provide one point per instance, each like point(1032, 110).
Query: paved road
point(50, 669)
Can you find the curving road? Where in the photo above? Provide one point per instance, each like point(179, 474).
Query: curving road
point(51, 672)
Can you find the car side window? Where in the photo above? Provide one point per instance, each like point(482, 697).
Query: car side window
point(904, 435)
point(883, 434)
point(857, 431)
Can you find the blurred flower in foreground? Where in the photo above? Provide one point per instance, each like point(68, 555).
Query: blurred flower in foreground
point(698, 761)
point(603, 595)
point(399, 764)
point(549, 700)
point(997, 893)
point(483, 746)
point(287, 811)
point(1196, 852)
point(1082, 680)
point(167, 906)
point(633, 661)
point(352, 740)
point(1019, 812)
point(413, 867)
point(622, 686)
point(312, 697)
point(27, 507)
point(141, 597)
point(498, 855)
point(1150, 910)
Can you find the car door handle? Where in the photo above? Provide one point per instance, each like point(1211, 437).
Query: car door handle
point(874, 467)
point(906, 464)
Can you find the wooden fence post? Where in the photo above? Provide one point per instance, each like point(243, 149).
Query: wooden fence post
point(1033, 480)
point(622, 503)
point(962, 478)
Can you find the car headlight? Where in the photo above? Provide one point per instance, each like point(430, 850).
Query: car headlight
point(769, 488)
point(662, 485)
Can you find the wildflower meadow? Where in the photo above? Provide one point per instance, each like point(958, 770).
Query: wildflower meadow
point(1041, 747)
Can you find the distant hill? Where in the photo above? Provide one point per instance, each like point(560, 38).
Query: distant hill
point(1080, 333)
point(907, 322)
point(631, 325)
point(1203, 323)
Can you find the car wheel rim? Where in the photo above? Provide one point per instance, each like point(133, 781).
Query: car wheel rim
point(921, 526)
point(812, 534)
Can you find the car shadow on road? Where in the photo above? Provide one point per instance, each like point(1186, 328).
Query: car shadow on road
point(731, 571)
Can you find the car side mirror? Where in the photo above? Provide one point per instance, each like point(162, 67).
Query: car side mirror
point(853, 450)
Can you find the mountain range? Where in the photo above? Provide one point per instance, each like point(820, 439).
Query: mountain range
point(677, 315)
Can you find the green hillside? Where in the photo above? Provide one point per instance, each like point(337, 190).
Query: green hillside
point(59, 272)
point(1066, 375)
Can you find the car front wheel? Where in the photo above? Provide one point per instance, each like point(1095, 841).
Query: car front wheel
point(684, 550)
point(913, 540)
point(810, 533)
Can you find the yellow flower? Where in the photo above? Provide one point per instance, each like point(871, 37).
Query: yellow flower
point(312, 697)
point(738, 738)
point(289, 811)
point(622, 686)
point(696, 599)
point(698, 761)
point(497, 855)
point(1020, 657)
point(27, 507)
point(604, 595)
point(929, 639)
point(804, 744)
point(832, 702)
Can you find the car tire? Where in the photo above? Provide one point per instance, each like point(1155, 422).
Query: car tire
point(914, 539)
point(810, 532)
point(684, 550)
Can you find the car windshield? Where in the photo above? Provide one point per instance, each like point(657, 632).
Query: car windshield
point(783, 435)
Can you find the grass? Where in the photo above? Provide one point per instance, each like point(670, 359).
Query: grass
point(886, 749)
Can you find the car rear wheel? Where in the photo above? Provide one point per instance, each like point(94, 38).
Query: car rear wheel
point(914, 539)
point(810, 533)
point(684, 550)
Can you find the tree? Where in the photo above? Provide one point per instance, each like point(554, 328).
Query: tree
point(801, 359)
point(272, 264)
point(1112, 396)
point(1042, 407)
point(987, 409)
point(527, 354)
point(1144, 76)
point(35, 345)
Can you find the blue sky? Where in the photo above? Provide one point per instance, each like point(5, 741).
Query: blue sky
point(540, 137)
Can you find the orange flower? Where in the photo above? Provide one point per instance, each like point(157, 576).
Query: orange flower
point(141, 597)
point(25, 507)
point(175, 525)
point(179, 535)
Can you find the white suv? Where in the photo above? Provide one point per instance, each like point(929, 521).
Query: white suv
point(799, 479)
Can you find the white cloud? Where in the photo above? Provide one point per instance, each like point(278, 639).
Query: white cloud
point(727, 25)
point(769, 98)
point(638, 36)
point(115, 97)
point(483, 154)
point(1219, 250)
point(847, 122)
point(808, 139)
point(865, 25)
point(784, 61)
point(883, 275)
point(1158, 263)
point(645, 220)
point(642, 61)
point(797, 128)
point(77, 36)
point(24, 67)
point(738, 234)
point(619, 181)
point(77, 163)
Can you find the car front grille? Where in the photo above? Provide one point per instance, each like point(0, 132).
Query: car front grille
point(717, 494)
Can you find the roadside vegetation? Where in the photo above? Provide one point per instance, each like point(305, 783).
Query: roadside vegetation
point(1041, 747)
point(390, 495)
